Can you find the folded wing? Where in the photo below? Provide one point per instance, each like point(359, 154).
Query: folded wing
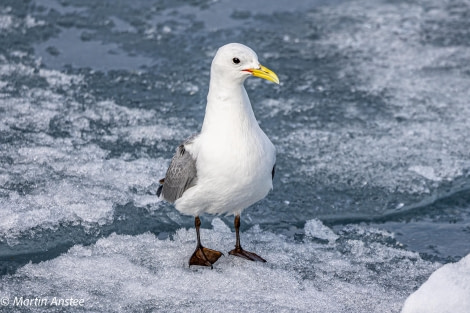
point(181, 174)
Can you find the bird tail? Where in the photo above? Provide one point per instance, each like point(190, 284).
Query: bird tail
point(160, 188)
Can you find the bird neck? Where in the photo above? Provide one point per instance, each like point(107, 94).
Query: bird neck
point(228, 108)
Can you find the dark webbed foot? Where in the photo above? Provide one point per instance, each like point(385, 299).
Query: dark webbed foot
point(238, 251)
point(204, 256)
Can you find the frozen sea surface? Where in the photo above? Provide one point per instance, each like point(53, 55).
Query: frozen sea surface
point(123, 273)
point(372, 188)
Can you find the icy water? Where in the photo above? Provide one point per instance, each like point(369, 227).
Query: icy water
point(371, 122)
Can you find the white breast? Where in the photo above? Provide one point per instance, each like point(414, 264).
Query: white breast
point(234, 162)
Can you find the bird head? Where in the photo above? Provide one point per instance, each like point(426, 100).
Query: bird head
point(237, 62)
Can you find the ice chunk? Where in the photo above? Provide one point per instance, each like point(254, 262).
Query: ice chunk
point(446, 291)
point(6, 21)
point(425, 171)
point(220, 226)
point(315, 229)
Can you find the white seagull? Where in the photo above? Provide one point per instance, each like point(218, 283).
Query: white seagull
point(230, 164)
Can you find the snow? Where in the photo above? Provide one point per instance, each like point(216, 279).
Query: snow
point(123, 273)
point(446, 291)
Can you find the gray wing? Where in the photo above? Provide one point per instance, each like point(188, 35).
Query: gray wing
point(181, 175)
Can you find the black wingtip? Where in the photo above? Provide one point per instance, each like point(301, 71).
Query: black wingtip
point(159, 190)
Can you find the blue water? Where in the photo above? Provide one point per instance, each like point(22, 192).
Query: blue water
point(370, 122)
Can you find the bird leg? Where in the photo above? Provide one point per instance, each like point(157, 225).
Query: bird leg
point(238, 251)
point(203, 256)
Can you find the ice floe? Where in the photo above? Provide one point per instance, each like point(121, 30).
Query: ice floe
point(123, 273)
point(446, 291)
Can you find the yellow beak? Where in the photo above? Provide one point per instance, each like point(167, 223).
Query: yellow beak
point(264, 72)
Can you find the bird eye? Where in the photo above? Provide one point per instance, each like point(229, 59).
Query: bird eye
point(236, 60)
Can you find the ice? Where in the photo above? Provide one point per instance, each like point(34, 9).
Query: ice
point(58, 79)
point(393, 115)
point(86, 192)
point(425, 171)
point(9, 22)
point(446, 291)
point(32, 22)
point(6, 21)
point(63, 174)
point(316, 229)
point(371, 116)
point(139, 273)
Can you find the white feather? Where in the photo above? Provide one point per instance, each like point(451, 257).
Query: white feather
point(234, 157)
